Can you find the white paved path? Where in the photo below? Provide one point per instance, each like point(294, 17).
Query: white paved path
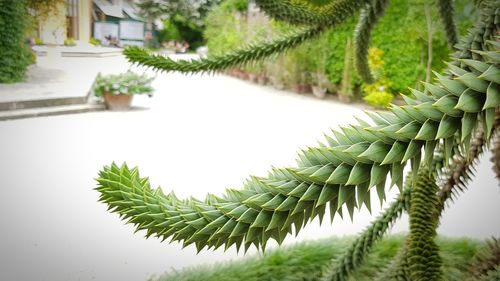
point(200, 134)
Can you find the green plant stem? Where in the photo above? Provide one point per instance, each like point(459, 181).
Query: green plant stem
point(370, 14)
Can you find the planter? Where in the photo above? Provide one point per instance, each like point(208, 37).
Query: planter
point(252, 77)
point(118, 102)
point(319, 92)
point(344, 98)
point(262, 79)
point(233, 72)
point(277, 84)
point(242, 75)
point(301, 88)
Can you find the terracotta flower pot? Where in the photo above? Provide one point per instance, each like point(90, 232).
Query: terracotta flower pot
point(262, 80)
point(301, 88)
point(276, 83)
point(118, 102)
point(252, 77)
point(319, 92)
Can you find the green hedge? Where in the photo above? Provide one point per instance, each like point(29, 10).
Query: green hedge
point(15, 55)
point(306, 260)
point(401, 34)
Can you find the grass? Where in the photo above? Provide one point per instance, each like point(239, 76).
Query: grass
point(305, 261)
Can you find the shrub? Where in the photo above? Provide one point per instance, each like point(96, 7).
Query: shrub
point(225, 30)
point(39, 41)
point(94, 41)
point(376, 95)
point(69, 42)
point(15, 53)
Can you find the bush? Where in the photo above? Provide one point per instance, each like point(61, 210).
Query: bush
point(15, 53)
point(404, 48)
point(69, 42)
point(179, 28)
point(376, 95)
point(39, 41)
point(94, 41)
point(305, 261)
point(224, 29)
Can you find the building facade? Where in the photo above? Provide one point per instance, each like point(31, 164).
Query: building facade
point(83, 19)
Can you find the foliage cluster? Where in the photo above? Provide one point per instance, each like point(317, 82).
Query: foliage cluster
point(42, 9)
point(403, 46)
point(180, 28)
point(225, 29)
point(38, 41)
point(95, 42)
point(182, 19)
point(69, 42)
point(15, 52)
point(377, 93)
point(128, 83)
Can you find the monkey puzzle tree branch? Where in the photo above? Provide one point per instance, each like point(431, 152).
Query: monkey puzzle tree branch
point(297, 12)
point(247, 54)
point(423, 253)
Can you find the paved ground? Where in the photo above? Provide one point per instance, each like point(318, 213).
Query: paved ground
point(56, 77)
point(198, 134)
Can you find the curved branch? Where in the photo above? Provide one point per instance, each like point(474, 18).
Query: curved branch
point(297, 12)
point(242, 56)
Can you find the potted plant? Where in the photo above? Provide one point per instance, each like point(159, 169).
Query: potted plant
point(316, 66)
point(119, 89)
point(319, 81)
